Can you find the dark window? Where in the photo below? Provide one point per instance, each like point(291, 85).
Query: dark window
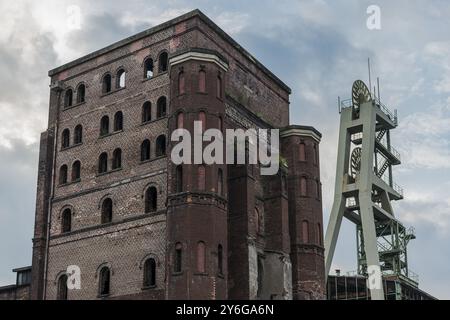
point(150, 273)
point(148, 68)
point(181, 84)
point(117, 159)
point(180, 120)
point(66, 221)
point(146, 112)
point(220, 182)
point(107, 210)
point(62, 288)
point(145, 150)
point(161, 146)
point(104, 126)
point(163, 62)
point(81, 92)
point(305, 231)
point(179, 179)
point(319, 234)
point(202, 118)
point(201, 259)
point(118, 121)
point(68, 98)
point(78, 134)
point(76, 171)
point(103, 163)
point(161, 107)
point(201, 177)
point(63, 174)
point(219, 87)
point(220, 124)
point(202, 81)
point(106, 83)
point(260, 276)
point(65, 138)
point(178, 257)
point(104, 281)
point(220, 259)
point(303, 187)
point(302, 155)
point(120, 79)
point(315, 154)
point(318, 189)
point(151, 200)
point(258, 220)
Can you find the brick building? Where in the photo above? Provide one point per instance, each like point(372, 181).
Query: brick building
point(111, 202)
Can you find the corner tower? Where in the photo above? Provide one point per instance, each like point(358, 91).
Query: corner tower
point(197, 199)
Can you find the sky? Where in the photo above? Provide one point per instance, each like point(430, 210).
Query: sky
point(317, 47)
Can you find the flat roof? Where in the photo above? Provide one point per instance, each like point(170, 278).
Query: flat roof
point(148, 32)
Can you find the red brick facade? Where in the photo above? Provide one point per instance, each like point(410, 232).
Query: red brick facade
point(211, 232)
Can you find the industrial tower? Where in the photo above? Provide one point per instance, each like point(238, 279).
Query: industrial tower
point(364, 190)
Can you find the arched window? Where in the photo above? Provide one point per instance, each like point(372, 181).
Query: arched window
point(178, 257)
point(146, 112)
point(201, 177)
point(220, 182)
point(219, 87)
point(118, 121)
point(317, 189)
point(305, 231)
point(151, 200)
point(104, 126)
point(148, 68)
point(315, 154)
point(220, 124)
point(258, 221)
point(179, 178)
point(163, 61)
point(260, 276)
point(66, 221)
point(81, 92)
point(78, 134)
point(201, 252)
point(145, 150)
point(68, 97)
point(107, 210)
point(302, 155)
point(104, 281)
point(202, 81)
point(303, 188)
point(319, 234)
point(161, 107)
point(220, 259)
point(202, 118)
point(180, 120)
point(63, 174)
point(181, 84)
point(117, 159)
point(150, 273)
point(76, 171)
point(161, 146)
point(103, 163)
point(120, 79)
point(106, 83)
point(65, 138)
point(62, 288)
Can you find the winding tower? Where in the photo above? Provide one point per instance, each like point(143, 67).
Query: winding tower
point(365, 188)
